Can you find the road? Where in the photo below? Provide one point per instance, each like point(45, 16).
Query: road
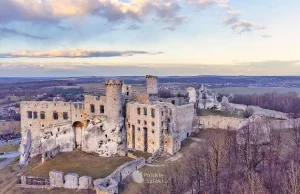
point(10, 158)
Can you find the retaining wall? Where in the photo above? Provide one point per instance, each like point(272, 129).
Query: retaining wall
point(219, 122)
point(110, 183)
point(50, 154)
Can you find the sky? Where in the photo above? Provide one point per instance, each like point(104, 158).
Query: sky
point(138, 37)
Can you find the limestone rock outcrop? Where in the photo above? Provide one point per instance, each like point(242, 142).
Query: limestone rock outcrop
point(25, 148)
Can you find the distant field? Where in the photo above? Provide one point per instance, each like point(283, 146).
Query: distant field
point(253, 90)
point(9, 148)
point(93, 87)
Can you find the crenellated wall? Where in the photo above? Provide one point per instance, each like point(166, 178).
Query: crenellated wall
point(151, 84)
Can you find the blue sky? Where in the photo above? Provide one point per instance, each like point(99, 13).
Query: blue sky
point(137, 37)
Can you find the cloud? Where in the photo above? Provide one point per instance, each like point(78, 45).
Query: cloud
point(205, 3)
point(266, 36)
point(172, 22)
point(171, 28)
point(231, 15)
point(54, 11)
point(73, 54)
point(225, 6)
point(246, 26)
point(234, 12)
point(230, 20)
point(133, 27)
point(240, 26)
point(6, 32)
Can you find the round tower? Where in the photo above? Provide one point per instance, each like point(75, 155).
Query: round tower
point(151, 84)
point(113, 99)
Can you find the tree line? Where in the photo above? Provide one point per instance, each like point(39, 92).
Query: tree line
point(223, 166)
point(287, 103)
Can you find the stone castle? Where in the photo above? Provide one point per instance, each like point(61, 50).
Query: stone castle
point(120, 120)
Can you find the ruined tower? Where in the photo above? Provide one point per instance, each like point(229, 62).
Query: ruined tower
point(152, 87)
point(114, 100)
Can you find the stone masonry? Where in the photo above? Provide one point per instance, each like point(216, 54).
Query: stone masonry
point(106, 124)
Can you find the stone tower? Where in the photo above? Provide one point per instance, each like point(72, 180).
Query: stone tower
point(152, 87)
point(114, 100)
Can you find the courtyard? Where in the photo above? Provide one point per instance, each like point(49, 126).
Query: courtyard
point(80, 163)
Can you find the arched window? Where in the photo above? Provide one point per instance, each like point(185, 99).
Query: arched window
point(153, 124)
point(145, 122)
point(145, 111)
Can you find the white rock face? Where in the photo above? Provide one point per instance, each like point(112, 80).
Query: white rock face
point(207, 99)
point(103, 138)
point(56, 178)
point(192, 94)
point(71, 181)
point(25, 148)
point(86, 182)
point(225, 100)
point(63, 136)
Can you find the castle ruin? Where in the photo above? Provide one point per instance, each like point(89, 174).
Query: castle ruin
point(120, 120)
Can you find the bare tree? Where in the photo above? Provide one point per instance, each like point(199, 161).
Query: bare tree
point(291, 178)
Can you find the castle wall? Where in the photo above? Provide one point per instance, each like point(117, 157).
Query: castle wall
point(141, 124)
point(151, 84)
point(139, 97)
point(171, 144)
point(50, 154)
point(31, 118)
point(184, 120)
point(219, 122)
point(97, 102)
point(109, 184)
point(127, 90)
